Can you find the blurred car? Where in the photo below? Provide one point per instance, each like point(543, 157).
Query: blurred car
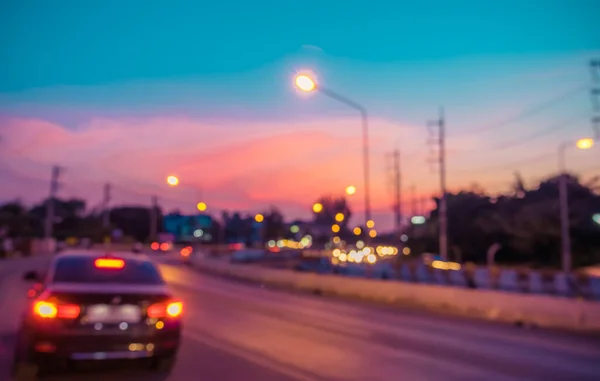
point(186, 254)
point(97, 307)
point(137, 247)
point(163, 247)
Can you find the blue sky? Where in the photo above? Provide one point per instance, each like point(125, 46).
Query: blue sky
point(99, 42)
point(72, 66)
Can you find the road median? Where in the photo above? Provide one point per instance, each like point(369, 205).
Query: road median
point(494, 305)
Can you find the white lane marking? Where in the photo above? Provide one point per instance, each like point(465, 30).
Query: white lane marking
point(258, 360)
point(354, 325)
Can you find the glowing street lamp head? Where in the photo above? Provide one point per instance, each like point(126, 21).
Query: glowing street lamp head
point(201, 206)
point(317, 207)
point(305, 83)
point(585, 143)
point(259, 218)
point(350, 190)
point(172, 181)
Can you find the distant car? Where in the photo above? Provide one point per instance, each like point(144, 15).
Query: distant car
point(161, 246)
point(97, 307)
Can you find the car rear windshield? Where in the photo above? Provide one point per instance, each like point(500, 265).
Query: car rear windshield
point(83, 270)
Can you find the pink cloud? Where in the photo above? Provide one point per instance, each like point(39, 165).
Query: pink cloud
point(234, 165)
point(230, 164)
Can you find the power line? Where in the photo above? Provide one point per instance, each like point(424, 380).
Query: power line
point(531, 111)
point(535, 135)
point(512, 165)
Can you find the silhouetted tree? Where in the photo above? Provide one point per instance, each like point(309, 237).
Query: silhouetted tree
point(331, 207)
point(273, 226)
point(526, 223)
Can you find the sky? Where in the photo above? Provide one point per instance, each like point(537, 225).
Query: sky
point(131, 92)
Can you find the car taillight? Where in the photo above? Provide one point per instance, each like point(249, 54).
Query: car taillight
point(35, 290)
point(165, 310)
point(45, 310)
point(48, 310)
point(155, 246)
point(68, 311)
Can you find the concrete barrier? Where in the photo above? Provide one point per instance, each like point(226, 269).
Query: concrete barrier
point(537, 310)
point(248, 255)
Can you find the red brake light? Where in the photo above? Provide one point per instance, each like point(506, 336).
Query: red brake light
point(109, 263)
point(164, 246)
point(164, 310)
point(186, 251)
point(155, 246)
point(68, 311)
point(48, 310)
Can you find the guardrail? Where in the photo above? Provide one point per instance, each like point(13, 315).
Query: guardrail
point(484, 278)
point(497, 305)
point(521, 280)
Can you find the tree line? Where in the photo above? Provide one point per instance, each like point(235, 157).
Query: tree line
point(524, 223)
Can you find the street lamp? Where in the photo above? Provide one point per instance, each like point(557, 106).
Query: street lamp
point(201, 206)
point(172, 180)
point(317, 207)
point(350, 190)
point(307, 84)
point(567, 260)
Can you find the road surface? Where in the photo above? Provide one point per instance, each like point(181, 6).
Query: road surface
point(238, 332)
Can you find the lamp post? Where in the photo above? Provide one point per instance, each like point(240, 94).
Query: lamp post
point(566, 255)
point(307, 84)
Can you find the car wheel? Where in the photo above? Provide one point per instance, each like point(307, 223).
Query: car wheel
point(25, 371)
point(163, 364)
point(23, 368)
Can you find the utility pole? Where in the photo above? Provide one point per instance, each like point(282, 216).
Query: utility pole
point(563, 198)
point(595, 93)
point(154, 218)
point(49, 225)
point(423, 206)
point(398, 191)
point(106, 210)
point(414, 201)
point(440, 141)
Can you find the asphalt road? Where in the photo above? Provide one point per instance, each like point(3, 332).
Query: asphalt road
point(238, 332)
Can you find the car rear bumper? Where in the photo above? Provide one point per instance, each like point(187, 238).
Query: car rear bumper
point(42, 346)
